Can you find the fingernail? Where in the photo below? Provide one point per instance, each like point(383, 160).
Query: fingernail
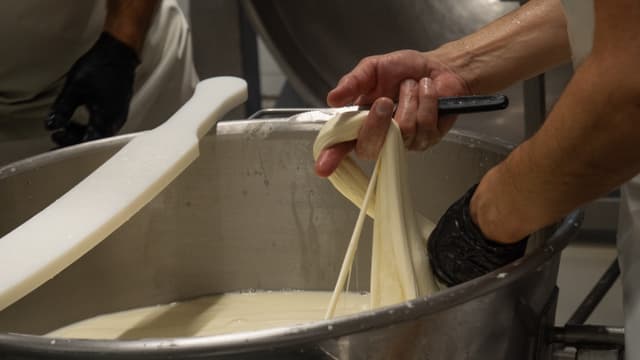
point(384, 108)
point(321, 157)
point(321, 166)
point(51, 121)
point(422, 144)
point(426, 84)
point(409, 84)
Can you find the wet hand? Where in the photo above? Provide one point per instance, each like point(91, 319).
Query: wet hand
point(414, 80)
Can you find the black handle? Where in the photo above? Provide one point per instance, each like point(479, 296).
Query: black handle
point(471, 104)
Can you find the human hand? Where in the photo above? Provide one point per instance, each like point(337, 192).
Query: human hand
point(415, 80)
point(458, 250)
point(101, 80)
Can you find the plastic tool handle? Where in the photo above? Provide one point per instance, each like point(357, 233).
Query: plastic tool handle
point(54, 238)
point(471, 104)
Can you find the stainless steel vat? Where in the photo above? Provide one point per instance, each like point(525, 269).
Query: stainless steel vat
point(250, 213)
point(317, 41)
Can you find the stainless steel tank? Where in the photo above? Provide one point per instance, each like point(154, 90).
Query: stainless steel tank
point(250, 213)
point(317, 41)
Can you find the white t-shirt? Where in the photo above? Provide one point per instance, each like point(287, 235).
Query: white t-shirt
point(580, 26)
point(39, 41)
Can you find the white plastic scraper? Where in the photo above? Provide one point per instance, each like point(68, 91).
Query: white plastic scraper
point(50, 241)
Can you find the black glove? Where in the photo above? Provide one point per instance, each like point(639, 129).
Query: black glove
point(102, 80)
point(458, 251)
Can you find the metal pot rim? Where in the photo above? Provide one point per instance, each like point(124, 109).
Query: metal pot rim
point(300, 334)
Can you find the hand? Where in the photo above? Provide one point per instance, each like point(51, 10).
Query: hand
point(415, 80)
point(101, 80)
point(458, 250)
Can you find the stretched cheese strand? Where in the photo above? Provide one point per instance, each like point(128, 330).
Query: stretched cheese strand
point(347, 263)
point(399, 266)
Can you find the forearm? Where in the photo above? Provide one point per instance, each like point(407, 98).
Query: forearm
point(515, 47)
point(129, 20)
point(587, 146)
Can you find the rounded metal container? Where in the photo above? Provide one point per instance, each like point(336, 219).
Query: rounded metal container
point(315, 42)
point(249, 213)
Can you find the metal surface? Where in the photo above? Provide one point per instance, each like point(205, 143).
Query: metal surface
point(589, 335)
point(588, 354)
point(317, 41)
point(535, 107)
point(277, 112)
point(588, 342)
point(250, 213)
point(596, 294)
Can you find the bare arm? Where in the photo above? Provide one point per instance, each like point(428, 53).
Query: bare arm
point(515, 47)
point(129, 20)
point(587, 146)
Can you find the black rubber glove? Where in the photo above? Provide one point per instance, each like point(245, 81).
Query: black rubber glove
point(101, 80)
point(458, 251)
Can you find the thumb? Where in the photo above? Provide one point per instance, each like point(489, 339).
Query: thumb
point(330, 158)
point(63, 108)
point(359, 81)
point(104, 122)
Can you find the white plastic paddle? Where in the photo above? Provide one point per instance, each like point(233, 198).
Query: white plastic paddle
point(50, 241)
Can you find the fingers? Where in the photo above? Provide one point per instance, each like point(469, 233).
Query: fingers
point(417, 114)
point(406, 114)
point(105, 120)
point(63, 107)
point(330, 158)
point(427, 131)
point(374, 129)
point(358, 81)
point(71, 134)
point(370, 139)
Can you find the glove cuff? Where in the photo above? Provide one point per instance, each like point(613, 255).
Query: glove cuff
point(459, 251)
point(116, 50)
point(501, 250)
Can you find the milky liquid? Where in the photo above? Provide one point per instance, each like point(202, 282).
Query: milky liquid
point(214, 315)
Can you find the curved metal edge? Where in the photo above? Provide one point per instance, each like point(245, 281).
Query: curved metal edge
point(280, 337)
point(262, 127)
point(277, 112)
point(588, 335)
point(63, 154)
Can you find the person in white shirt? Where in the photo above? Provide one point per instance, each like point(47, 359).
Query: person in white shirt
point(74, 71)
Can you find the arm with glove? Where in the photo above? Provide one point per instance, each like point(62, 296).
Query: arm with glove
point(586, 147)
point(102, 79)
point(515, 47)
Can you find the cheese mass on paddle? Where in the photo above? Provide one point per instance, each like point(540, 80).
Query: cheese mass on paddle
point(399, 264)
